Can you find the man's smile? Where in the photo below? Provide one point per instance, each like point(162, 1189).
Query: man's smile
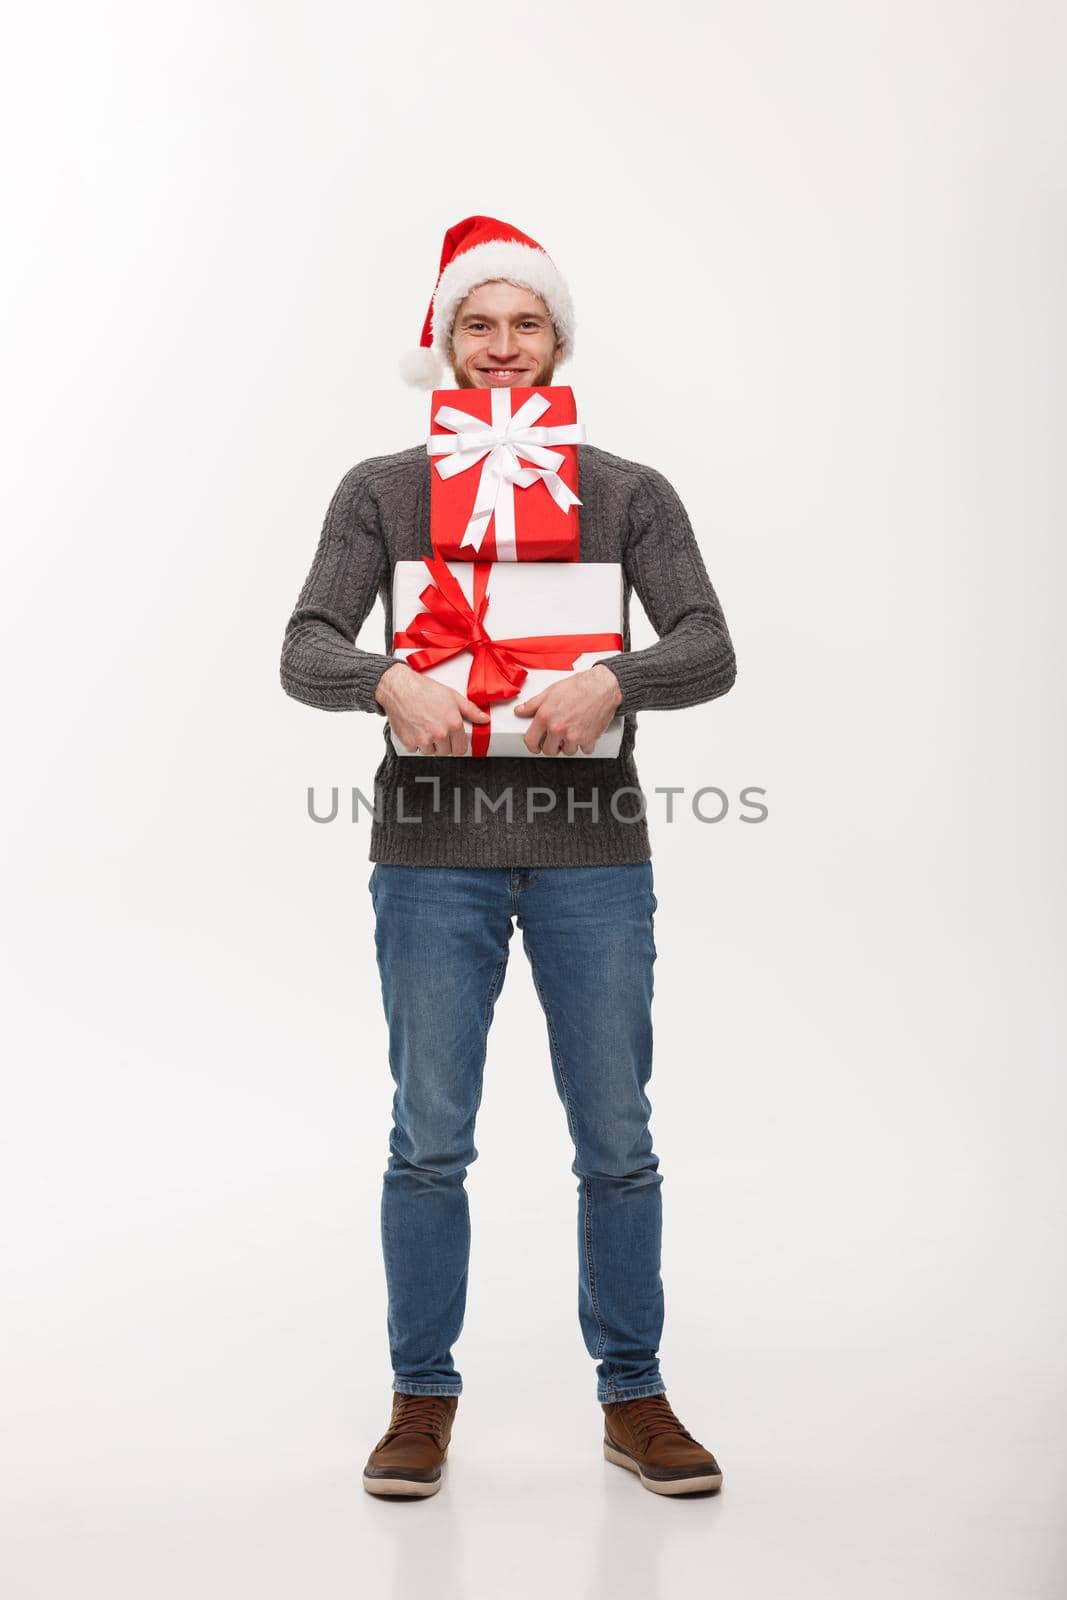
point(498, 377)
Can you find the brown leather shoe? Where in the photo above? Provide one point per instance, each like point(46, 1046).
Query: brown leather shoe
point(645, 1437)
point(408, 1457)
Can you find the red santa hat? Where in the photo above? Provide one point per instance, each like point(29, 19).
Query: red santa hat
point(480, 250)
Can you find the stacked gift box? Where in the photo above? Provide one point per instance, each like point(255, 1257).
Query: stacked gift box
point(510, 606)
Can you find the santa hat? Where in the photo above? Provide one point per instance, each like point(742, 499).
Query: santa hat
point(480, 250)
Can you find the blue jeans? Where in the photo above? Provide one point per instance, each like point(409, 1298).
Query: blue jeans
point(442, 937)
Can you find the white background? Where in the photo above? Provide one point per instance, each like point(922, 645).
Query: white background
point(817, 257)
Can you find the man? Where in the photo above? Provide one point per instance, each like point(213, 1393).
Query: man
point(462, 846)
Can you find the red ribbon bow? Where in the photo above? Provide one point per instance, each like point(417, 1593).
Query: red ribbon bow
point(450, 624)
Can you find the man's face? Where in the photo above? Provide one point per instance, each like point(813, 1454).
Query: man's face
point(502, 337)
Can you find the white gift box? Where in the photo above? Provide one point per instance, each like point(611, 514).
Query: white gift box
point(525, 597)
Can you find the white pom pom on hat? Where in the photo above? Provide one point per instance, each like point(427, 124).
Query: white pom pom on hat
point(421, 368)
point(480, 250)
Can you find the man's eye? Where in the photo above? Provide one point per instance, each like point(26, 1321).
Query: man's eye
point(528, 322)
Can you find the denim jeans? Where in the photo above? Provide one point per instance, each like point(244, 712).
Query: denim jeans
point(442, 937)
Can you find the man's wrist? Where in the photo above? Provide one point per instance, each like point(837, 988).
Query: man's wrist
point(388, 676)
point(603, 668)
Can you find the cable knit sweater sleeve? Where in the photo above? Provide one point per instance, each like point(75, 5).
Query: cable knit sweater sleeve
point(693, 658)
point(321, 663)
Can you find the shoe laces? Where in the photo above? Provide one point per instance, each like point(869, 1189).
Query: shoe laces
point(418, 1413)
point(652, 1415)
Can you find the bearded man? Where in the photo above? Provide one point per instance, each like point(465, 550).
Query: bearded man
point(465, 848)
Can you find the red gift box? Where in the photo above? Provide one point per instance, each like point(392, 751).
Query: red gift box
point(504, 474)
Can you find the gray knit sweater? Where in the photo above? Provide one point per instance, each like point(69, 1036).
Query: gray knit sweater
point(493, 811)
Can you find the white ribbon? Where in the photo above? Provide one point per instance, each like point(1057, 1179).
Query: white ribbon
point(499, 446)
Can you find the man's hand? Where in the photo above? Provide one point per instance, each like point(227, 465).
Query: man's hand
point(572, 713)
point(424, 714)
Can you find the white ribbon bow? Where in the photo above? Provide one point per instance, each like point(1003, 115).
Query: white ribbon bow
point(501, 444)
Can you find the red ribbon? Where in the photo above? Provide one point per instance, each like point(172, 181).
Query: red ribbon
point(450, 623)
